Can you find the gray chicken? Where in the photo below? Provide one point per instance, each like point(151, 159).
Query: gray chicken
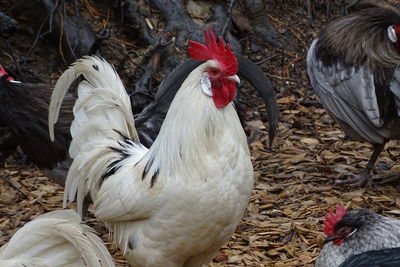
point(352, 65)
point(353, 232)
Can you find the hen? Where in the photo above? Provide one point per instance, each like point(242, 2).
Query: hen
point(22, 109)
point(55, 239)
point(176, 203)
point(353, 232)
point(352, 65)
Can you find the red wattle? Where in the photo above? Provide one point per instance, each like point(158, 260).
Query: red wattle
point(223, 92)
point(338, 241)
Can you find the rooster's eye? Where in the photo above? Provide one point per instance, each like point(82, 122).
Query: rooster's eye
point(214, 72)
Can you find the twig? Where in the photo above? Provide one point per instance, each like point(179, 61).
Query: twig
point(275, 20)
point(93, 11)
point(104, 23)
point(262, 61)
point(297, 35)
point(39, 33)
point(228, 17)
point(13, 186)
point(387, 177)
point(280, 77)
point(34, 75)
point(11, 55)
point(124, 42)
point(64, 18)
point(285, 71)
point(61, 35)
point(76, 8)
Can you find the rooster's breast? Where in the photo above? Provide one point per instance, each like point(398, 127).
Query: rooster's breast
point(198, 216)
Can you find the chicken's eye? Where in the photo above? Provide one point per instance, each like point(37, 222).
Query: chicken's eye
point(214, 72)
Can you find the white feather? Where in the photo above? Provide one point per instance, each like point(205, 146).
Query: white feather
point(54, 239)
point(99, 75)
point(102, 107)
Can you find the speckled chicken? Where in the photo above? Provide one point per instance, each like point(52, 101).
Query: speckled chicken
point(353, 232)
point(177, 202)
point(352, 65)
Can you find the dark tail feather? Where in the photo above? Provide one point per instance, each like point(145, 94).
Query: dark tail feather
point(251, 72)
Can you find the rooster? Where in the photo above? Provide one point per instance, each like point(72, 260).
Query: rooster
point(57, 238)
point(352, 65)
point(178, 202)
point(30, 128)
point(353, 232)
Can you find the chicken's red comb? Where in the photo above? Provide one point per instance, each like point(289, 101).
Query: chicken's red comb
point(333, 219)
point(214, 50)
point(4, 72)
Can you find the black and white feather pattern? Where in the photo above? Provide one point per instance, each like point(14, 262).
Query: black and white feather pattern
point(102, 113)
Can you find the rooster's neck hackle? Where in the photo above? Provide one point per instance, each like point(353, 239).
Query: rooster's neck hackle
point(193, 129)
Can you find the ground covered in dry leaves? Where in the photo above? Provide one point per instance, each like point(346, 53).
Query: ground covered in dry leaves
point(294, 183)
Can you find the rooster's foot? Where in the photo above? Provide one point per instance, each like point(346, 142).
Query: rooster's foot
point(357, 180)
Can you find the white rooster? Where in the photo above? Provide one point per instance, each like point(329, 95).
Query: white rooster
point(55, 239)
point(178, 202)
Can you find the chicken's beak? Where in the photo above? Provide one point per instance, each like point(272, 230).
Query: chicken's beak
point(329, 239)
point(234, 78)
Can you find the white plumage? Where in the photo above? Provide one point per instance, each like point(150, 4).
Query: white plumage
point(174, 204)
point(54, 239)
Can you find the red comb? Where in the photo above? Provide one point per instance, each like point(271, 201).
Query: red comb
point(333, 219)
point(4, 72)
point(214, 50)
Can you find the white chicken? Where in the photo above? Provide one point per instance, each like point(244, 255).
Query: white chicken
point(55, 239)
point(178, 202)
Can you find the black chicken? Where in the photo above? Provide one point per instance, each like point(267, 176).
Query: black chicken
point(23, 108)
point(352, 65)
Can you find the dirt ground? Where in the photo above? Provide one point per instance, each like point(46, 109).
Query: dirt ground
point(294, 182)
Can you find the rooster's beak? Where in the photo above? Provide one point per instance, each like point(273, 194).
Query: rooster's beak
point(234, 78)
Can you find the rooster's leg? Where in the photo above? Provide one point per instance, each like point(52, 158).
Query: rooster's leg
point(365, 176)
